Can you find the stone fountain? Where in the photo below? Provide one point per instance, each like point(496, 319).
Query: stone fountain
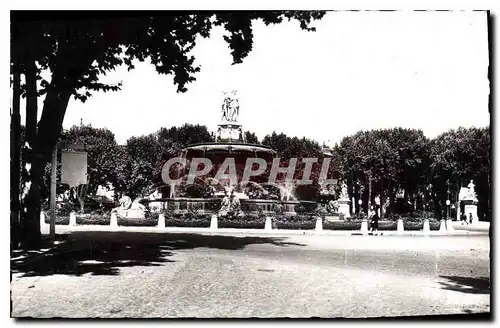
point(225, 194)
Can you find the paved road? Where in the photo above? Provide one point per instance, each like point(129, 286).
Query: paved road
point(186, 275)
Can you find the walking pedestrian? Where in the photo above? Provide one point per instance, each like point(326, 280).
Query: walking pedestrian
point(373, 217)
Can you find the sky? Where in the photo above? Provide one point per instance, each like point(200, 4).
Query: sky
point(358, 71)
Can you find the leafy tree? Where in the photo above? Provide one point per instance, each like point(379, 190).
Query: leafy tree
point(143, 154)
point(459, 156)
point(102, 156)
point(300, 148)
point(186, 135)
point(251, 137)
point(381, 161)
point(76, 51)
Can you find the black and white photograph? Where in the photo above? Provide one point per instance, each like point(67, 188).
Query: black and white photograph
point(243, 164)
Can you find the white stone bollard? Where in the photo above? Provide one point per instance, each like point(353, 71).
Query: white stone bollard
point(319, 224)
point(364, 227)
point(161, 221)
point(401, 227)
point(213, 222)
point(42, 219)
point(114, 220)
point(442, 226)
point(72, 219)
point(426, 228)
point(269, 223)
point(449, 225)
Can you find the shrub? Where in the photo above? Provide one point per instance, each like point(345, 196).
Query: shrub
point(60, 219)
point(134, 222)
point(308, 207)
point(93, 219)
point(342, 225)
point(357, 217)
point(296, 222)
point(188, 220)
point(248, 221)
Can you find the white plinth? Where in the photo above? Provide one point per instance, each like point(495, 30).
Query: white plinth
point(319, 224)
point(72, 219)
point(344, 207)
point(442, 226)
point(114, 220)
point(401, 227)
point(269, 223)
point(471, 209)
point(161, 221)
point(427, 227)
point(364, 227)
point(213, 222)
point(42, 219)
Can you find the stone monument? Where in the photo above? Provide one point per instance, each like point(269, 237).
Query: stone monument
point(469, 198)
point(343, 201)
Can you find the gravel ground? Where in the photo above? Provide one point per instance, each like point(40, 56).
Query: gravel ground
point(113, 275)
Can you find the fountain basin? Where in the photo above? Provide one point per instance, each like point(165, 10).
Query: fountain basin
point(207, 205)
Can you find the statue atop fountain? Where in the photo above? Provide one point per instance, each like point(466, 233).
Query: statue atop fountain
point(230, 107)
point(229, 129)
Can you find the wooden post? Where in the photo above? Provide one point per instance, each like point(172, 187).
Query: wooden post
point(53, 186)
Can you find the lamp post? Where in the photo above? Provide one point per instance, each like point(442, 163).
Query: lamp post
point(448, 208)
point(360, 202)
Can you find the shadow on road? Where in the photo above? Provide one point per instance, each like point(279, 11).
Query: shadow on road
point(103, 253)
point(466, 284)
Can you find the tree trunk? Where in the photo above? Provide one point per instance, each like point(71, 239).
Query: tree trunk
point(382, 199)
point(32, 206)
point(34, 167)
point(81, 193)
point(49, 129)
point(369, 190)
point(15, 159)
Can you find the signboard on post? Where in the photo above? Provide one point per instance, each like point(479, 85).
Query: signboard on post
point(73, 168)
point(73, 172)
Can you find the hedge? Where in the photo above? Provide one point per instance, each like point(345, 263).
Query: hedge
point(296, 222)
point(342, 225)
point(60, 219)
point(93, 219)
point(188, 220)
point(409, 225)
point(242, 222)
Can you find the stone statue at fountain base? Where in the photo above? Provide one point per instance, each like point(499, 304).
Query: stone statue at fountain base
point(129, 209)
point(230, 206)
